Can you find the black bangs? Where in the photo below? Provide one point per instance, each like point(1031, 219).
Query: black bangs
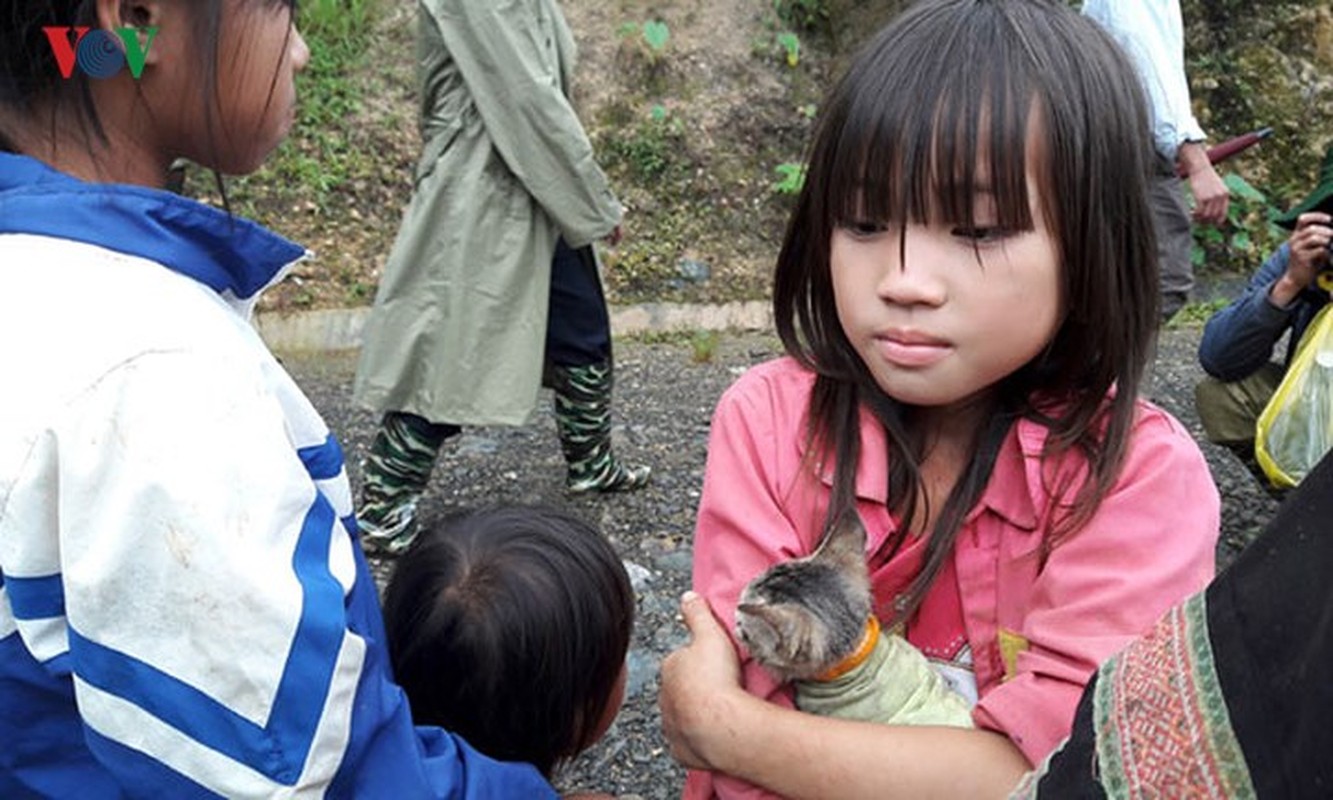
point(918, 139)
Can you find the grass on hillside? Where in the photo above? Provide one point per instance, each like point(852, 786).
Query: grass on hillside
point(318, 156)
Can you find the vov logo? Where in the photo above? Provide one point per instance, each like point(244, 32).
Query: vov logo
point(99, 53)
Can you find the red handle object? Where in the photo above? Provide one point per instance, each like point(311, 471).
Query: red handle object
point(1221, 152)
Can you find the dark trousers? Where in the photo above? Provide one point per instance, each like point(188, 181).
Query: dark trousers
point(578, 328)
point(1171, 219)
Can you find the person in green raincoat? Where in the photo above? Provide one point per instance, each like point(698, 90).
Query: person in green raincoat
point(492, 285)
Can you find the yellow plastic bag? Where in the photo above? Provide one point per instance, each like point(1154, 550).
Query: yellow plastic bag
point(1295, 429)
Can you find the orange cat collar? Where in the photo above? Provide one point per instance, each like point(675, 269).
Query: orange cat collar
point(858, 656)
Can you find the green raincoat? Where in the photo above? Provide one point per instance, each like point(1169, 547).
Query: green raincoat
point(458, 329)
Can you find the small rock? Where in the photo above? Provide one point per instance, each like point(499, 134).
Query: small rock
point(639, 576)
point(693, 271)
point(680, 561)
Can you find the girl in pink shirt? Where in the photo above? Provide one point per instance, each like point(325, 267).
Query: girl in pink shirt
point(967, 294)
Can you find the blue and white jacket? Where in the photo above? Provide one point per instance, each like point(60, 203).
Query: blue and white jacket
point(185, 611)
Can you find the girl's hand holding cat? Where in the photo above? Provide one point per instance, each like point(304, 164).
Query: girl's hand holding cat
point(701, 687)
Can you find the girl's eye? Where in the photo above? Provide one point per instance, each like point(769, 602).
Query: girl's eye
point(863, 228)
point(980, 234)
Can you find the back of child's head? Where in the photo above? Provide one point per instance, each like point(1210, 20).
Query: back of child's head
point(510, 627)
point(28, 70)
point(946, 98)
point(32, 78)
point(47, 48)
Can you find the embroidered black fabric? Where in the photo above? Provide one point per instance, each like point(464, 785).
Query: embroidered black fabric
point(1270, 628)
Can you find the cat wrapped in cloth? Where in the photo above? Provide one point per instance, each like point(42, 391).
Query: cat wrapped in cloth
point(809, 621)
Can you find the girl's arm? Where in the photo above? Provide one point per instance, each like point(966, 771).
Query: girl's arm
point(1238, 340)
point(712, 723)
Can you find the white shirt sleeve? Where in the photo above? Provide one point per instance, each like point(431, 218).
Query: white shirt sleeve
point(1152, 32)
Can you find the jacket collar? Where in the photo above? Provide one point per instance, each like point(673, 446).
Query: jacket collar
point(233, 256)
point(1009, 493)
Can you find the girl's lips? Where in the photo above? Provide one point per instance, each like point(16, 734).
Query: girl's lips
point(912, 351)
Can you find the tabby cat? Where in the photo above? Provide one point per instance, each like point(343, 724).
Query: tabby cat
point(809, 620)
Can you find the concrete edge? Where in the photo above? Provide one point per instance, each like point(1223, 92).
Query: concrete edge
point(341, 328)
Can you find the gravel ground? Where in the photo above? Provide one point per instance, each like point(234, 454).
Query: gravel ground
point(664, 400)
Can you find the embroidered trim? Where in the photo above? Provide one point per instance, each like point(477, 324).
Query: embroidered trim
point(858, 656)
point(1162, 725)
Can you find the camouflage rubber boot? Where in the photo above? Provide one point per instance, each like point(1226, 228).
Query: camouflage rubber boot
point(583, 418)
point(393, 477)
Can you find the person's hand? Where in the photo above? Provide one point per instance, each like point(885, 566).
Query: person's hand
point(1309, 254)
point(1211, 196)
point(613, 238)
point(698, 681)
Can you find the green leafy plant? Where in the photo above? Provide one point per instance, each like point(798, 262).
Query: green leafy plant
point(1246, 237)
point(1194, 315)
point(791, 178)
point(648, 147)
point(802, 14)
point(656, 34)
point(651, 35)
point(324, 150)
point(791, 45)
point(703, 346)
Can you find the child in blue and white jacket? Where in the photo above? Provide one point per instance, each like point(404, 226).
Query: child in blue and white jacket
point(184, 611)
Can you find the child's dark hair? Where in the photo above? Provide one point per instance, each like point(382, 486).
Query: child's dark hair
point(949, 82)
point(30, 77)
point(510, 626)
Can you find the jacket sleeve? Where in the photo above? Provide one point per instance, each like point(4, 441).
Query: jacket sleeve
point(1150, 544)
point(222, 627)
point(530, 121)
point(741, 530)
point(1152, 33)
point(1239, 339)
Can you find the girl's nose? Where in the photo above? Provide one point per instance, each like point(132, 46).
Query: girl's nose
point(914, 270)
point(300, 52)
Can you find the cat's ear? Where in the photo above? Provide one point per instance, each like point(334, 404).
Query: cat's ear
point(845, 543)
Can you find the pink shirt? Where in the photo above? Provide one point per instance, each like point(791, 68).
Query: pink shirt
point(1036, 630)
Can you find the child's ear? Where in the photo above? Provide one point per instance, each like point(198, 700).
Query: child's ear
point(114, 15)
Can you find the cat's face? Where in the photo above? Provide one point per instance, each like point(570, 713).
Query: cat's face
point(799, 618)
